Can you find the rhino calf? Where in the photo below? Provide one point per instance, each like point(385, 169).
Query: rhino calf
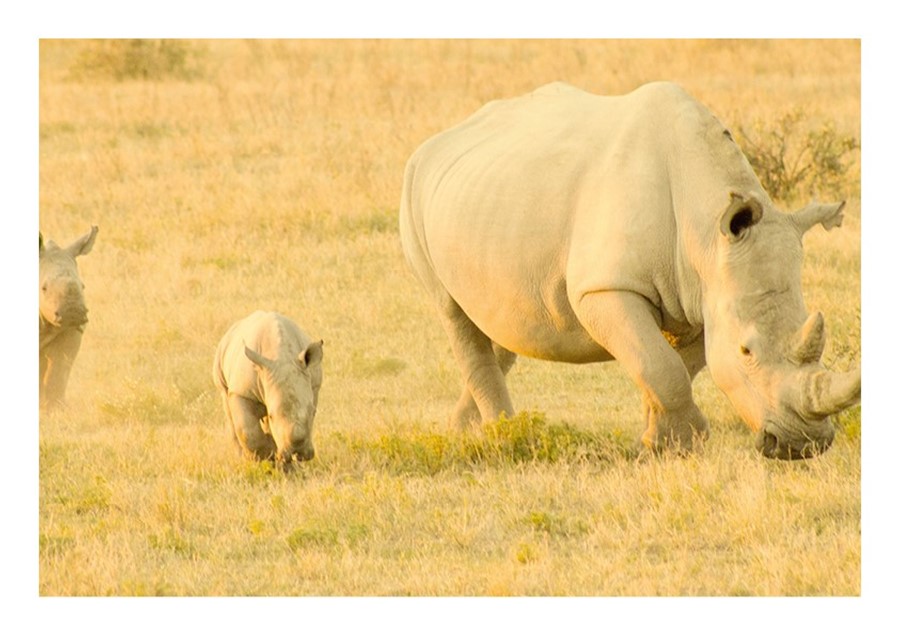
point(62, 314)
point(269, 373)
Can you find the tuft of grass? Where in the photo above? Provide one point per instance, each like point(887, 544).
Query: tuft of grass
point(554, 524)
point(146, 405)
point(121, 60)
point(850, 422)
point(526, 553)
point(171, 540)
point(524, 438)
point(528, 437)
point(326, 536)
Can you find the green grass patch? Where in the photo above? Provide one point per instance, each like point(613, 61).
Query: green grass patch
point(326, 536)
point(381, 221)
point(121, 60)
point(147, 407)
point(556, 524)
point(850, 423)
point(524, 438)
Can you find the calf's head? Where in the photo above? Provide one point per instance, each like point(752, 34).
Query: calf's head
point(61, 299)
point(763, 349)
point(291, 392)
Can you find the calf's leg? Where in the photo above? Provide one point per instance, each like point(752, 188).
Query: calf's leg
point(56, 365)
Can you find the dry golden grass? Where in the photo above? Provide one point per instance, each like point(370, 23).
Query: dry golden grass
point(269, 177)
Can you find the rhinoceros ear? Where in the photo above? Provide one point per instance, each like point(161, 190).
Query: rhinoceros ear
point(830, 215)
point(84, 244)
point(741, 215)
point(312, 354)
point(40, 243)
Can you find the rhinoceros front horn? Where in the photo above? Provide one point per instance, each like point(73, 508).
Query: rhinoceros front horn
point(810, 341)
point(824, 393)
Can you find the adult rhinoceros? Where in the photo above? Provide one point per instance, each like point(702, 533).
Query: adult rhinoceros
point(572, 227)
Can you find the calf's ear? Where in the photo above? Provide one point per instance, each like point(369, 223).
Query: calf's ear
point(84, 244)
point(311, 355)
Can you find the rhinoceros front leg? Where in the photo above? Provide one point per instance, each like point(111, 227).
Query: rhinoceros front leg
point(245, 415)
point(624, 324)
point(483, 375)
point(56, 360)
point(466, 412)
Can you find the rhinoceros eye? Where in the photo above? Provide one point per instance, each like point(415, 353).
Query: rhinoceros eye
point(745, 351)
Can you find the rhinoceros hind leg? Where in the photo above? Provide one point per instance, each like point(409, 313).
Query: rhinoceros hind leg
point(483, 376)
point(625, 324)
point(466, 413)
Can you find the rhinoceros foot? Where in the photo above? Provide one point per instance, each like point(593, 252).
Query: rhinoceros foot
point(675, 431)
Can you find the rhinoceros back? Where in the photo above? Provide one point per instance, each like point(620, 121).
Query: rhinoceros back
point(270, 334)
point(534, 201)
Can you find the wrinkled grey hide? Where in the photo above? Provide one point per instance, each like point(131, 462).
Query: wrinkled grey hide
point(62, 314)
point(269, 373)
point(572, 227)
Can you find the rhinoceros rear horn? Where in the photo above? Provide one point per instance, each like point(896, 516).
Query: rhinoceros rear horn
point(810, 341)
point(824, 393)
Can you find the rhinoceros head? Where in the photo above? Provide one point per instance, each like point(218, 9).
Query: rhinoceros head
point(291, 392)
point(763, 348)
point(61, 292)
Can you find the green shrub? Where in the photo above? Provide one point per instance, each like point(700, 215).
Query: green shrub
point(791, 164)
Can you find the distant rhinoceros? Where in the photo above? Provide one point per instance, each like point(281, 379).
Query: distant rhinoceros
point(62, 314)
point(572, 227)
point(269, 373)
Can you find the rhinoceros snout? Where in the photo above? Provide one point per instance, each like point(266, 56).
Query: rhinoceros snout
point(305, 453)
point(773, 446)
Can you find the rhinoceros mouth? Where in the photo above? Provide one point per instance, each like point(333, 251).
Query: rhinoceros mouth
point(66, 319)
point(298, 455)
point(774, 444)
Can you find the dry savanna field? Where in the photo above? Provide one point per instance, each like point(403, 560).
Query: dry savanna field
point(230, 176)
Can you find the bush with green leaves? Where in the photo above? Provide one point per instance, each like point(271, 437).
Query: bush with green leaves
point(792, 163)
